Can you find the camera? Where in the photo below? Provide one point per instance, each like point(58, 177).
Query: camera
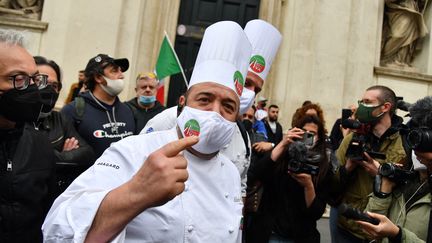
point(356, 214)
point(395, 173)
point(349, 123)
point(308, 138)
point(358, 147)
point(420, 139)
point(301, 159)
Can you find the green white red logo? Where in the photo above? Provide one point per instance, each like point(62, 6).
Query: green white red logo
point(99, 133)
point(257, 63)
point(238, 82)
point(191, 128)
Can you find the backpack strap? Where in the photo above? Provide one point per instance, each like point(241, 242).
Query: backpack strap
point(79, 110)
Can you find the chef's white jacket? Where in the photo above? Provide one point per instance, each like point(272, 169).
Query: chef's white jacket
point(209, 210)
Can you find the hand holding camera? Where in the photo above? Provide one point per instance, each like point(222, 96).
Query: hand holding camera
point(385, 228)
point(292, 135)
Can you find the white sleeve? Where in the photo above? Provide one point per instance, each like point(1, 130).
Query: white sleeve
point(162, 121)
point(72, 213)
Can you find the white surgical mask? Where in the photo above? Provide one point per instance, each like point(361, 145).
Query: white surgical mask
point(416, 163)
point(246, 100)
point(213, 130)
point(114, 86)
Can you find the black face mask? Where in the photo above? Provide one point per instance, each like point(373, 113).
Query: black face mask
point(49, 98)
point(21, 105)
point(247, 124)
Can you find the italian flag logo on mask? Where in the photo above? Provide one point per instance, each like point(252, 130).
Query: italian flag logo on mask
point(238, 82)
point(257, 63)
point(191, 128)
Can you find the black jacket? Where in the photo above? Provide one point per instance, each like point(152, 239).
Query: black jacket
point(142, 116)
point(26, 183)
point(101, 124)
point(273, 137)
point(58, 129)
point(69, 164)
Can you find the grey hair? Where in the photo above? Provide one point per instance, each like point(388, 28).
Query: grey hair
point(12, 37)
point(421, 112)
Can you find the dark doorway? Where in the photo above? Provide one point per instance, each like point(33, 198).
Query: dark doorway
point(196, 15)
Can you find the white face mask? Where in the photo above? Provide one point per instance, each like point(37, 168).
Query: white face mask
point(114, 86)
point(213, 130)
point(416, 163)
point(246, 100)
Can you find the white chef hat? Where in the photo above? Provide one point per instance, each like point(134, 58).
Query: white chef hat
point(223, 56)
point(265, 40)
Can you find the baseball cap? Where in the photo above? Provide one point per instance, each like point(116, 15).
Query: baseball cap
point(261, 99)
point(101, 61)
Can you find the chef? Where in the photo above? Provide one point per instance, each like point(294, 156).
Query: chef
point(174, 185)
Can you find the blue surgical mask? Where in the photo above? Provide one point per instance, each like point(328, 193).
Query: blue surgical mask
point(147, 100)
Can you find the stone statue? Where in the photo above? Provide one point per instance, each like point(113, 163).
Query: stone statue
point(403, 27)
point(31, 9)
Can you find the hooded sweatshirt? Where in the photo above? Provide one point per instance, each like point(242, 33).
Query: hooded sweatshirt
point(101, 124)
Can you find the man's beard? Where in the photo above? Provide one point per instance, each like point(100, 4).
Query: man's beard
point(273, 119)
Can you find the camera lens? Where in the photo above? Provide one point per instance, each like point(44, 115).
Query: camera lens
point(420, 139)
point(386, 169)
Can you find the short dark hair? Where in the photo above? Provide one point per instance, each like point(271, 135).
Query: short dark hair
point(273, 106)
point(386, 95)
point(421, 113)
point(40, 60)
point(306, 102)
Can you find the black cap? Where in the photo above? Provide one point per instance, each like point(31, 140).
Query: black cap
point(98, 63)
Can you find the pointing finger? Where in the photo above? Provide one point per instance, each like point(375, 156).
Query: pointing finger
point(175, 147)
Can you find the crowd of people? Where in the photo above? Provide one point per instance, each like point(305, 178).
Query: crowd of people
point(218, 167)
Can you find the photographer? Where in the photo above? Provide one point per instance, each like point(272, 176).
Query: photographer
point(378, 133)
point(294, 177)
point(406, 206)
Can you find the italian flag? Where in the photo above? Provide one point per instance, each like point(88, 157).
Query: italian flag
point(167, 64)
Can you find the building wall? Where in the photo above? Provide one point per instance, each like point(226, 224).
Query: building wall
point(328, 54)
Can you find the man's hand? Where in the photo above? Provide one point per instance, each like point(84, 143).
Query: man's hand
point(262, 147)
point(162, 175)
point(384, 229)
point(350, 165)
point(160, 179)
point(370, 165)
point(70, 144)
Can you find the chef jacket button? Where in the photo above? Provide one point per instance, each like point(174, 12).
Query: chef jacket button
point(231, 231)
point(190, 228)
point(222, 163)
point(226, 195)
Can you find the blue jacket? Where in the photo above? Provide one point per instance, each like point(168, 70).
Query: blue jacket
point(101, 124)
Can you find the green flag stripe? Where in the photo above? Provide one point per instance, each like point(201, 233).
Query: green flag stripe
point(166, 64)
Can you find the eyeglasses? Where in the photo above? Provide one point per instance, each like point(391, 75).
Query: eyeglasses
point(22, 81)
point(361, 102)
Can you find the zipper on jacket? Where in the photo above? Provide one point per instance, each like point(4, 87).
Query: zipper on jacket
point(9, 165)
point(6, 157)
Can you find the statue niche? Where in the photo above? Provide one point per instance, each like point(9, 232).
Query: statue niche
point(30, 9)
point(403, 27)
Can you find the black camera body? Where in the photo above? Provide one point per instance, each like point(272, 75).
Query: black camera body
point(358, 147)
point(395, 173)
point(420, 139)
point(302, 160)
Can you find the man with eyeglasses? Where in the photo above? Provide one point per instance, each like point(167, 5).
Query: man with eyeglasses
point(26, 156)
point(353, 180)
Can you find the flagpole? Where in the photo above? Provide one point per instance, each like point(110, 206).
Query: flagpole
point(178, 61)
